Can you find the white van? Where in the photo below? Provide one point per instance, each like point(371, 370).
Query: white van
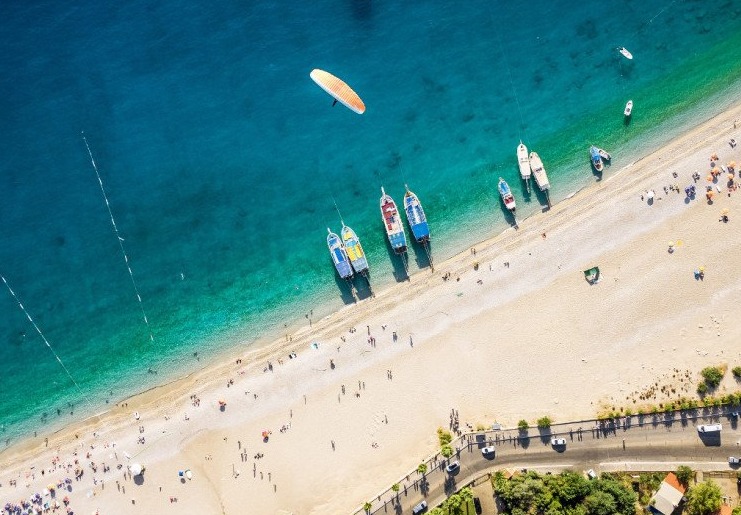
point(709, 428)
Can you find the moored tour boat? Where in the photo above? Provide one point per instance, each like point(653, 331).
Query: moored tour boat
point(596, 158)
point(541, 178)
point(392, 223)
point(339, 255)
point(523, 161)
point(506, 194)
point(626, 53)
point(628, 108)
point(354, 250)
point(416, 216)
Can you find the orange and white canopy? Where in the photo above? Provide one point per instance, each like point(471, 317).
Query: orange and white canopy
point(339, 90)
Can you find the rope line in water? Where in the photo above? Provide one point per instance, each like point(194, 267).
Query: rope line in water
point(119, 238)
point(20, 305)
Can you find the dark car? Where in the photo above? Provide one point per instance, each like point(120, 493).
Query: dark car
point(477, 505)
point(453, 467)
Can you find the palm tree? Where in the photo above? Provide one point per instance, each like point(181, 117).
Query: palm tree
point(367, 507)
point(466, 495)
point(422, 468)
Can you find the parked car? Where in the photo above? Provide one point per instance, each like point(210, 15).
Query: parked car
point(488, 451)
point(591, 474)
point(558, 442)
point(453, 467)
point(420, 508)
point(733, 460)
point(477, 505)
point(709, 428)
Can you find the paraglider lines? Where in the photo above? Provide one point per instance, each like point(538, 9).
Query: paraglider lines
point(20, 305)
point(119, 238)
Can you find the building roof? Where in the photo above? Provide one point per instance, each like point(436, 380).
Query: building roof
point(672, 480)
point(669, 495)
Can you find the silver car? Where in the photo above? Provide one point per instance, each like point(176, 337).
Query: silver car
point(558, 442)
point(420, 508)
point(488, 451)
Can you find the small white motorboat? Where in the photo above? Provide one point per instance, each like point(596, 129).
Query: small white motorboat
point(628, 108)
point(625, 52)
point(604, 154)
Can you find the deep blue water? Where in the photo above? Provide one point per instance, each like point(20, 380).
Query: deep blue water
point(221, 158)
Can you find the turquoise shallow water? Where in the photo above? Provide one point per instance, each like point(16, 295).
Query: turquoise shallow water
point(220, 157)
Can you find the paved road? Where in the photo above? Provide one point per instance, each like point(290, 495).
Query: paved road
point(629, 445)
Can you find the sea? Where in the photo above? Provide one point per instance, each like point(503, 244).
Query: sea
point(222, 164)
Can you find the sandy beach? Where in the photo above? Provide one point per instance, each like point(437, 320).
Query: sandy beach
point(514, 332)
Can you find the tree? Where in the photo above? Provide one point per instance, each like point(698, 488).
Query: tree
point(600, 503)
point(625, 498)
point(367, 507)
point(522, 425)
point(712, 376)
point(422, 468)
point(570, 487)
point(454, 504)
point(736, 372)
point(396, 487)
point(544, 423)
point(466, 495)
point(736, 511)
point(704, 498)
point(446, 451)
point(685, 474)
point(443, 436)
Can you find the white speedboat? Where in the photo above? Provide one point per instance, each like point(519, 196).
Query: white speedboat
point(628, 108)
point(596, 159)
point(523, 161)
point(506, 194)
point(626, 53)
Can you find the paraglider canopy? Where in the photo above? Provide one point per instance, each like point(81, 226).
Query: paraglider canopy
point(339, 90)
point(136, 469)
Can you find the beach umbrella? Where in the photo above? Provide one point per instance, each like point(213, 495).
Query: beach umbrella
point(136, 469)
point(732, 164)
point(189, 474)
point(725, 211)
point(709, 178)
point(650, 194)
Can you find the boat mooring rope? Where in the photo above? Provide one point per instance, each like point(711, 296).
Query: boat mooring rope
point(119, 238)
point(28, 315)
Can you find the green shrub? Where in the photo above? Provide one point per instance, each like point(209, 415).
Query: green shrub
point(702, 388)
point(522, 425)
point(736, 372)
point(712, 376)
point(544, 423)
point(685, 474)
point(445, 437)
